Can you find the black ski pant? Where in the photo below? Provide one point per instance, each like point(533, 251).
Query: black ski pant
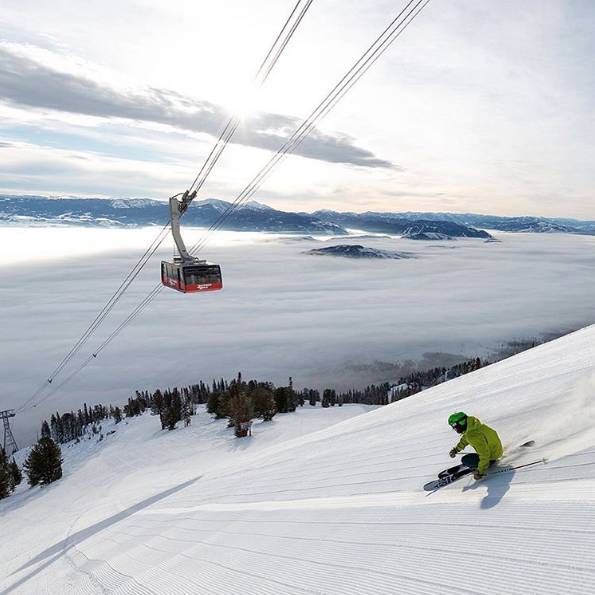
point(472, 461)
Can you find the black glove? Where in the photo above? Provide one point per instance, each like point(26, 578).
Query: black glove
point(453, 452)
point(477, 475)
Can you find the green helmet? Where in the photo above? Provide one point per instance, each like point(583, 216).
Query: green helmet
point(459, 419)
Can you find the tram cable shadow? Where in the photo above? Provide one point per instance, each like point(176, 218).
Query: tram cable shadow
point(56, 551)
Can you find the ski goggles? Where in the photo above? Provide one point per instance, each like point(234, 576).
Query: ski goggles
point(458, 427)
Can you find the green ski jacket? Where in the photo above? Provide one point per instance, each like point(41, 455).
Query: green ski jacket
point(484, 440)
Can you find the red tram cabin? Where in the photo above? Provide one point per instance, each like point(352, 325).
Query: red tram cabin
point(191, 277)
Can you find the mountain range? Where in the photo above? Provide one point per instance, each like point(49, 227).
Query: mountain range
point(254, 216)
point(384, 221)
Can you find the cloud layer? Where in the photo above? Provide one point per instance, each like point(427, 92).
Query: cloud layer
point(322, 320)
point(25, 81)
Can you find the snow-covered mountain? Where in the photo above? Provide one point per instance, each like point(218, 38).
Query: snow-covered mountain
point(301, 507)
point(379, 221)
point(514, 224)
point(253, 216)
point(394, 224)
point(547, 227)
point(420, 234)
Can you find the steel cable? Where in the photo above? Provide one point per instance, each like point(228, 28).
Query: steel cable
point(380, 45)
point(225, 136)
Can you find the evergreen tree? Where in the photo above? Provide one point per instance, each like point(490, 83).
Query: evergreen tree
point(293, 398)
point(241, 409)
point(81, 422)
point(17, 476)
point(54, 427)
point(6, 479)
point(282, 399)
point(220, 403)
point(264, 403)
point(163, 418)
point(212, 403)
point(45, 429)
point(68, 428)
point(44, 463)
point(117, 415)
point(59, 433)
point(187, 410)
point(157, 402)
point(333, 397)
point(175, 410)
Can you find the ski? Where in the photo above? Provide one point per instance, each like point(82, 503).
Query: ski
point(445, 480)
point(451, 471)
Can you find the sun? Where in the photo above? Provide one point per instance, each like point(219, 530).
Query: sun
point(243, 103)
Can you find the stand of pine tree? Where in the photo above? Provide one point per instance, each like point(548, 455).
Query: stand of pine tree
point(70, 426)
point(260, 399)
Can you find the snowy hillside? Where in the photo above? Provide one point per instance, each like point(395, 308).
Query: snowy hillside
point(298, 509)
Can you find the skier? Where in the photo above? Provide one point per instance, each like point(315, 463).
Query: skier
point(482, 438)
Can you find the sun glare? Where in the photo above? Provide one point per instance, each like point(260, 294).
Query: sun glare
point(244, 103)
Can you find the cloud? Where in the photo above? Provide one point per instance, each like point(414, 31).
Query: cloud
point(26, 80)
point(35, 168)
point(321, 320)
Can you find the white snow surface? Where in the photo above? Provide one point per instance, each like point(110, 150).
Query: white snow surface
point(308, 507)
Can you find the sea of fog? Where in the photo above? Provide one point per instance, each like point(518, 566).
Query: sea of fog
point(322, 320)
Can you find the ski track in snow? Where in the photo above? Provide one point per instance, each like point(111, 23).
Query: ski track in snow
point(329, 501)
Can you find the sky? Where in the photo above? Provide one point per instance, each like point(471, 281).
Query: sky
point(478, 107)
point(326, 321)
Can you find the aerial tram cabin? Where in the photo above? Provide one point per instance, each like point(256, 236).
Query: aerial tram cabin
point(185, 273)
point(191, 277)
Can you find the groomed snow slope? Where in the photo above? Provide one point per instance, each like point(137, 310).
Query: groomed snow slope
point(338, 510)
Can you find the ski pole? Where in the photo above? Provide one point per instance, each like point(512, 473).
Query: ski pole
point(509, 468)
